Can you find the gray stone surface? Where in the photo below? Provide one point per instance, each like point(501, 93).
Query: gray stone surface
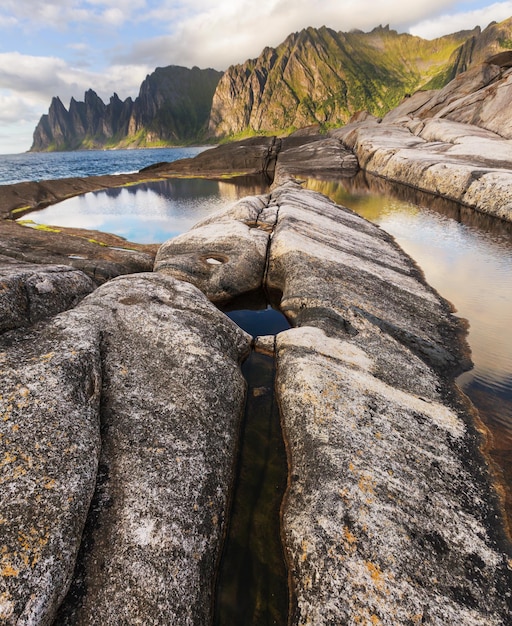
point(224, 255)
point(315, 155)
point(49, 449)
point(131, 403)
point(148, 364)
point(386, 519)
point(100, 260)
point(29, 292)
point(464, 163)
point(455, 142)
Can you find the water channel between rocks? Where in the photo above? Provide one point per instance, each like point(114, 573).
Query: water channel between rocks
point(252, 582)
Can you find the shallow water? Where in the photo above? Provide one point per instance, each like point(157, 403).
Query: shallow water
point(252, 586)
point(149, 212)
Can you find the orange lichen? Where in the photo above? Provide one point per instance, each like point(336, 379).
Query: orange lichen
point(8, 570)
point(304, 547)
point(349, 537)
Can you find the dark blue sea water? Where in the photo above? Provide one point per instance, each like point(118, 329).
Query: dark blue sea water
point(15, 168)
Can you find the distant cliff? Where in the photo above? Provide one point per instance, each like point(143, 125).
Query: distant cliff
point(173, 107)
point(319, 76)
point(315, 77)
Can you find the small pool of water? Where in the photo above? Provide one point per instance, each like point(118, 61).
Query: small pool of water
point(252, 585)
point(266, 321)
point(148, 212)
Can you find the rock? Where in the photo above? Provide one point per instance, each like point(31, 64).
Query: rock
point(387, 518)
point(50, 444)
point(156, 115)
point(153, 364)
point(100, 262)
point(224, 256)
point(465, 163)
point(321, 77)
point(29, 293)
point(316, 155)
point(255, 155)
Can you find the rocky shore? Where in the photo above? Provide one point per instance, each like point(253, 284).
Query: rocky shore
point(121, 416)
point(122, 396)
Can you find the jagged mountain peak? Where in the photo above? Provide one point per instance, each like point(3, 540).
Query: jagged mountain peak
point(316, 76)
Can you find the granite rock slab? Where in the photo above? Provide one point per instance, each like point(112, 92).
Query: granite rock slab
point(389, 517)
point(129, 403)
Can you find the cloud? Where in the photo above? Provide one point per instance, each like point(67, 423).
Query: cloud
point(41, 78)
point(60, 14)
point(221, 33)
point(451, 23)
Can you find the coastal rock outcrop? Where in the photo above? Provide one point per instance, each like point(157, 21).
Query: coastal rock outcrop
point(226, 256)
point(98, 260)
point(385, 518)
point(136, 393)
point(455, 143)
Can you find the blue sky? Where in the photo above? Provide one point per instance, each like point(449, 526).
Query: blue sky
point(63, 47)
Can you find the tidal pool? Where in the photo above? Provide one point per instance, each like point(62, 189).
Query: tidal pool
point(148, 212)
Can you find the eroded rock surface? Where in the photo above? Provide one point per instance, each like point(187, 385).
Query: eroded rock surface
point(388, 517)
point(136, 395)
point(148, 369)
point(100, 259)
point(225, 256)
point(456, 142)
point(29, 292)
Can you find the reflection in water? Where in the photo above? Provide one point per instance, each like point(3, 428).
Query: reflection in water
point(467, 257)
point(252, 581)
point(149, 212)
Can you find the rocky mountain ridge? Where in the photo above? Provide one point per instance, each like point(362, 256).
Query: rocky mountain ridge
point(172, 107)
point(315, 77)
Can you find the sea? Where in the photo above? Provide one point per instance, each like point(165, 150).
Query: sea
point(16, 168)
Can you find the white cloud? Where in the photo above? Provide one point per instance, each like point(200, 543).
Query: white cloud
point(59, 14)
point(451, 23)
point(219, 33)
point(41, 78)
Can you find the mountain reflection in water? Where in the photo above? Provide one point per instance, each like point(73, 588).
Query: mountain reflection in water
point(467, 257)
point(149, 212)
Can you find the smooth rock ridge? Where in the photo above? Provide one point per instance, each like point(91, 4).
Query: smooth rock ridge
point(134, 396)
point(390, 516)
point(455, 143)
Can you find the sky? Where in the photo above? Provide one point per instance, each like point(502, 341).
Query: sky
point(64, 47)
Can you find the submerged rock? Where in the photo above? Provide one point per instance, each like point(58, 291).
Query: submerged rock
point(149, 367)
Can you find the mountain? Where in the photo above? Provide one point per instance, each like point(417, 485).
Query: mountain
point(319, 76)
point(315, 77)
point(172, 107)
